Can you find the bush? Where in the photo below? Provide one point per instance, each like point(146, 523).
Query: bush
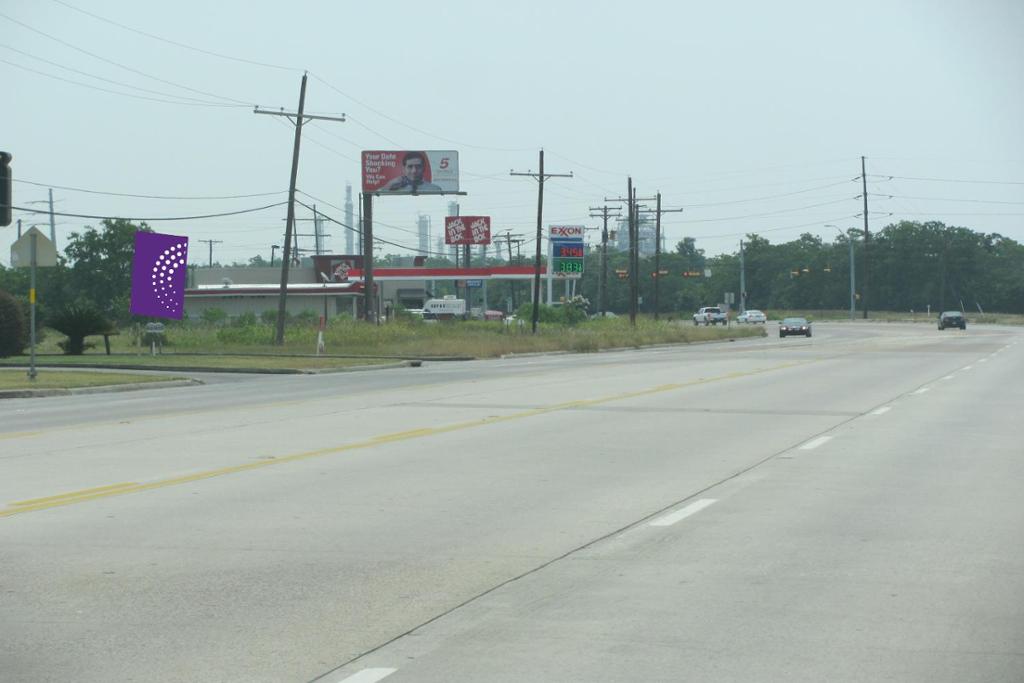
point(305, 317)
point(247, 319)
point(14, 328)
point(213, 316)
point(268, 317)
point(77, 321)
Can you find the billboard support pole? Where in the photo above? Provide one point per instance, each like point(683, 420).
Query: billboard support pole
point(369, 300)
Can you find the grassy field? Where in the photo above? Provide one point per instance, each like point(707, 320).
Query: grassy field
point(198, 361)
point(71, 379)
point(352, 343)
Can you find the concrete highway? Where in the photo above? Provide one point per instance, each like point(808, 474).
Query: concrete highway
point(848, 507)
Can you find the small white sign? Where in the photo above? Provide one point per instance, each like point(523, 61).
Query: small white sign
point(21, 251)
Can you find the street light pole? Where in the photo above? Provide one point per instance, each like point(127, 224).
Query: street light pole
point(853, 289)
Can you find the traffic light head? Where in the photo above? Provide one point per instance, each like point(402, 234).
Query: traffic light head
point(5, 189)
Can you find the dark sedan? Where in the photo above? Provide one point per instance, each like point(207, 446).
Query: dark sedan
point(952, 319)
point(791, 326)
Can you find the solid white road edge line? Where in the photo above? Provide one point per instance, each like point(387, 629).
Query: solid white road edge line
point(814, 443)
point(679, 515)
point(369, 676)
point(881, 411)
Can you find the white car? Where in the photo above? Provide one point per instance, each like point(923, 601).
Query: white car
point(752, 316)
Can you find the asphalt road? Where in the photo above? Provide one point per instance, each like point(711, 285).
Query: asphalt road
point(841, 508)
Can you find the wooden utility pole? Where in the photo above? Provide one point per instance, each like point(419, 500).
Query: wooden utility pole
point(298, 119)
point(657, 247)
point(604, 212)
point(867, 240)
point(211, 243)
point(540, 178)
point(633, 214)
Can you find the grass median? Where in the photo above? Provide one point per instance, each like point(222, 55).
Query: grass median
point(354, 343)
point(71, 379)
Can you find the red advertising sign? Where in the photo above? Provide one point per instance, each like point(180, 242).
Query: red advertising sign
point(410, 172)
point(467, 230)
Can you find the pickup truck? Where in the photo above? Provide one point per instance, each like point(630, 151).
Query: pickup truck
point(710, 315)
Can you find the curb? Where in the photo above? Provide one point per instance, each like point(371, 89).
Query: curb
point(105, 389)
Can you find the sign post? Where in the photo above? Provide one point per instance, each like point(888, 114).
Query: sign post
point(33, 249)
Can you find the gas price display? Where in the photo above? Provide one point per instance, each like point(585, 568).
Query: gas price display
point(567, 257)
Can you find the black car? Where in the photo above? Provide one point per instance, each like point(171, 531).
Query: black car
point(952, 319)
point(794, 326)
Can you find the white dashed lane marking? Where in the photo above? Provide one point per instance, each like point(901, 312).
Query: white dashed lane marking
point(369, 676)
point(679, 515)
point(881, 411)
point(920, 391)
point(814, 443)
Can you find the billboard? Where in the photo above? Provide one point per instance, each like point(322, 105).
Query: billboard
point(410, 172)
point(467, 230)
point(158, 275)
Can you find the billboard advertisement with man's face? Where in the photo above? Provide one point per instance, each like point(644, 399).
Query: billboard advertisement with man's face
point(467, 230)
point(410, 172)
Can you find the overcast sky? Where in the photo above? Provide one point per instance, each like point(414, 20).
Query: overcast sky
point(751, 115)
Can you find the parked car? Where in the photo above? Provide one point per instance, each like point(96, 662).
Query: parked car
point(952, 319)
point(710, 315)
point(752, 315)
point(791, 326)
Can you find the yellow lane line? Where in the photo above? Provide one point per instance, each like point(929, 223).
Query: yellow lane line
point(35, 504)
point(74, 494)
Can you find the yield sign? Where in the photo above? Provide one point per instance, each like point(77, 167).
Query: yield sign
point(21, 251)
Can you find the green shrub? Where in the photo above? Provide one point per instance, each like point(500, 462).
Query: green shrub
point(247, 319)
point(14, 329)
point(268, 317)
point(213, 316)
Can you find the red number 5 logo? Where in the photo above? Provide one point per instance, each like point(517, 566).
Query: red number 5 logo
point(444, 163)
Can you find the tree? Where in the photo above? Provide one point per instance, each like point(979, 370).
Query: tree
point(78, 321)
point(101, 265)
point(13, 326)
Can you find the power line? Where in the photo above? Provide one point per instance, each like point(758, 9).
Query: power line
point(175, 43)
point(944, 199)
point(115, 92)
point(148, 196)
point(159, 218)
point(110, 80)
point(412, 128)
point(771, 213)
point(767, 197)
point(949, 180)
point(118, 64)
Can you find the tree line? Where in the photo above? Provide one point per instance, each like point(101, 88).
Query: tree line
point(911, 266)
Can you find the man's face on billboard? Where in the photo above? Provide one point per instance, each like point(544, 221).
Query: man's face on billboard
point(414, 169)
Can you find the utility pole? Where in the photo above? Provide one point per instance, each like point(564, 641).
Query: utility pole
point(743, 281)
point(348, 219)
point(633, 214)
point(867, 239)
point(540, 178)
point(211, 243)
point(657, 247)
point(53, 226)
point(512, 283)
point(297, 119)
point(602, 282)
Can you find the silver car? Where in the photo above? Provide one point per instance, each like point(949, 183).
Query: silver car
point(752, 315)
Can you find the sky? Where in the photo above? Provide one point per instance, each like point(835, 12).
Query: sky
point(751, 116)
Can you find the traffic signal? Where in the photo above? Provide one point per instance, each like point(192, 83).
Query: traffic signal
point(5, 189)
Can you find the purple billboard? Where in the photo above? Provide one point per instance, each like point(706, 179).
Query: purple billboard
point(158, 275)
